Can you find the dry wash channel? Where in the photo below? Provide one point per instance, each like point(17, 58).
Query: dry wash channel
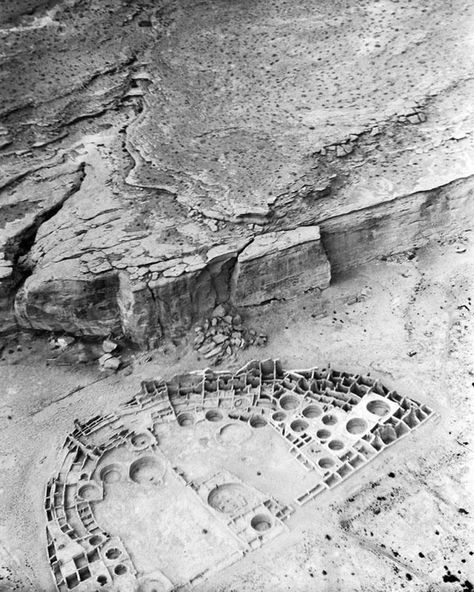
point(192, 474)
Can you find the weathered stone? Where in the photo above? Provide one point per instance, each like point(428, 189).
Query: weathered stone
point(219, 311)
point(213, 352)
point(199, 340)
point(66, 341)
point(206, 348)
point(108, 345)
point(104, 358)
point(280, 265)
point(56, 300)
point(413, 118)
point(219, 338)
point(111, 363)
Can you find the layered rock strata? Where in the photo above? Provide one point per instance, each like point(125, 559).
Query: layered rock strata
point(280, 265)
point(189, 160)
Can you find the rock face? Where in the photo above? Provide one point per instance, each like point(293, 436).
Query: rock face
point(396, 226)
point(280, 265)
point(181, 163)
point(67, 304)
point(25, 206)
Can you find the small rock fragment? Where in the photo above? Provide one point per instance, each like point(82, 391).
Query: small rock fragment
point(108, 345)
point(104, 358)
point(112, 363)
point(219, 311)
point(63, 342)
point(348, 148)
point(199, 340)
point(213, 352)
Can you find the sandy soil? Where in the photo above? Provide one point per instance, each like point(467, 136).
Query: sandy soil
point(404, 522)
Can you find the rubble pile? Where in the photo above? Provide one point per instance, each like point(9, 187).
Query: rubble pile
point(223, 334)
point(66, 350)
point(109, 359)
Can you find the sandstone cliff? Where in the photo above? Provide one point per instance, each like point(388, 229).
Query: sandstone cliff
point(210, 153)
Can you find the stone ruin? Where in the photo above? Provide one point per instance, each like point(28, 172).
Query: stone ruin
point(155, 497)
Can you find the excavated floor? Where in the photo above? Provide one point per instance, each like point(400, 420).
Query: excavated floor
point(401, 521)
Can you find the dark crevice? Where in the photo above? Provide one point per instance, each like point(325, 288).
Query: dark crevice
point(155, 298)
point(18, 247)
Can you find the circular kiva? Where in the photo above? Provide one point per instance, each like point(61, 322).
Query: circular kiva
point(312, 411)
point(289, 402)
point(120, 569)
point(378, 407)
point(146, 470)
point(95, 540)
point(258, 421)
point(140, 441)
point(299, 425)
point(111, 473)
point(228, 498)
point(89, 492)
point(329, 420)
point(261, 522)
point(234, 433)
point(279, 416)
point(113, 553)
point(326, 463)
point(185, 419)
point(356, 426)
point(323, 434)
point(336, 445)
point(214, 415)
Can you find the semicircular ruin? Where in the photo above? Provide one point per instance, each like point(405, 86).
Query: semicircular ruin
point(167, 466)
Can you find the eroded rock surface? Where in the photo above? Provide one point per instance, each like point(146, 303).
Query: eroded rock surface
point(280, 265)
point(148, 150)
